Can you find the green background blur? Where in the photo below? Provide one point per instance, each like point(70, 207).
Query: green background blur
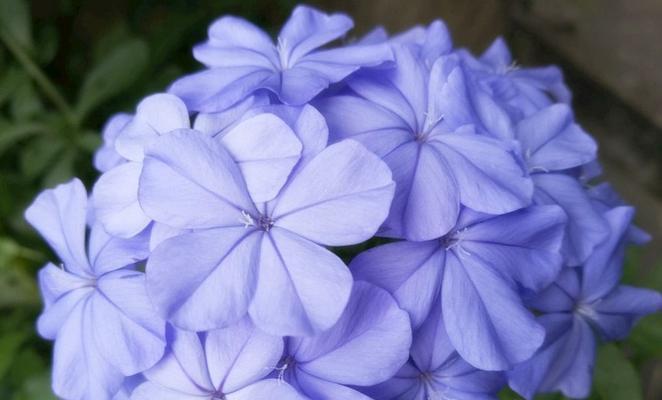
point(65, 67)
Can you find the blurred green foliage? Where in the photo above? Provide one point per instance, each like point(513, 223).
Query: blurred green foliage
point(65, 67)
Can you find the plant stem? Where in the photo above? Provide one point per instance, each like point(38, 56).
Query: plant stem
point(39, 77)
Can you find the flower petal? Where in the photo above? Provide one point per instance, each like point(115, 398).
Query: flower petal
point(241, 355)
point(427, 201)
point(524, 244)
point(266, 150)
point(217, 291)
point(352, 352)
point(59, 215)
point(622, 308)
point(307, 29)
point(190, 181)
point(489, 178)
point(484, 317)
point(410, 271)
point(552, 141)
point(266, 389)
point(125, 326)
point(341, 197)
point(351, 117)
point(217, 89)
point(79, 370)
point(115, 199)
point(604, 268)
point(155, 115)
point(321, 389)
point(302, 288)
point(585, 228)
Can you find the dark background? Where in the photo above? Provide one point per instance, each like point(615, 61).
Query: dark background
point(67, 65)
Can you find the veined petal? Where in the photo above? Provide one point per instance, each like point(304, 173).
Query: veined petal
point(488, 177)
point(352, 352)
point(59, 215)
point(79, 369)
point(352, 117)
point(410, 271)
point(266, 150)
point(523, 245)
point(427, 201)
point(307, 29)
point(155, 115)
point(267, 389)
point(302, 288)
point(241, 355)
point(340, 197)
point(115, 199)
point(604, 268)
point(190, 181)
point(321, 389)
point(217, 89)
point(215, 292)
point(484, 317)
point(125, 326)
point(552, 141)
point(585, 228)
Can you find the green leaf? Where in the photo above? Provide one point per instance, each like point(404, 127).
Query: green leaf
point(13, 134)
point(17, 285)
point(62, 170)
point(615, 377)
point(36, 387)
point(39, 155)
point(646, 337)
point(116, 72)
point(15, 22)
point(89, 141)
point(10, 343)
point(25, 102)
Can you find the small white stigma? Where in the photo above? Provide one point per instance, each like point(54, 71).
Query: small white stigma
point(454, 241)
point(538, 169)
point(505, 69)
point(246, 219)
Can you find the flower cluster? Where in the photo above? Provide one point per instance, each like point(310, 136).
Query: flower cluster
point(202, 265)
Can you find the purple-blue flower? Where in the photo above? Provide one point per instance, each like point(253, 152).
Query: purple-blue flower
point(423, 124)
point(367, 345)
point(242, 59)
point(231, 363)
point(518, 90)
point(436, 371)
point(551, 144)
point(258, 223)
point(582, 303)
point(475, 272)
point(96, 304)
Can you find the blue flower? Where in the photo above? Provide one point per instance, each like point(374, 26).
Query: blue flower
point(423, 124)
point(96, 304)
point(436, 371)
point(584, 302)
point(257, 221)
point(475, 272)
point(242, 59)
point(367, 345)
point(231, 363)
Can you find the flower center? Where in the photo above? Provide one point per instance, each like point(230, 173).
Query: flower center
point(261, 222)
point(586, 311)
point(286, 363)
point(454, 241)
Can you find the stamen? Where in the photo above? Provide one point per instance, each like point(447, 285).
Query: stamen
point(454, 240)
point(246, 219)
